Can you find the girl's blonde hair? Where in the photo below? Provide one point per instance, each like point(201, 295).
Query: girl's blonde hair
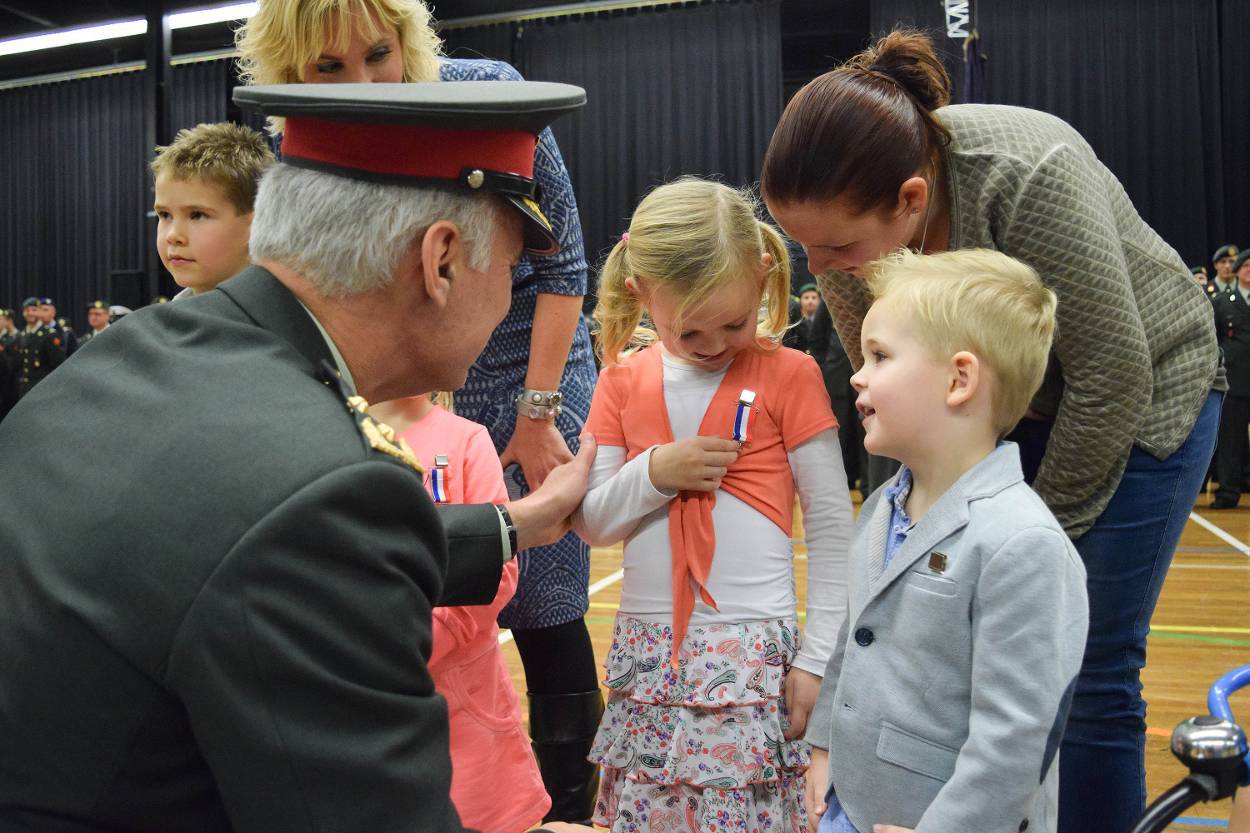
point(689, 236)
point(285, 35)
point(978, 300)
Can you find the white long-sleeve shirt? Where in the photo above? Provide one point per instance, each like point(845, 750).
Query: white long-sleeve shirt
point(752, 575)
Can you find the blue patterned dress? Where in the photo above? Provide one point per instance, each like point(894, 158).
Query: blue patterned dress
point(553, 580)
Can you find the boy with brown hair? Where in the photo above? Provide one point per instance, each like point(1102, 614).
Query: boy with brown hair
point(205, 186)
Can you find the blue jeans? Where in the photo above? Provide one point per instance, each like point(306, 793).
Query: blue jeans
point(1127, 552)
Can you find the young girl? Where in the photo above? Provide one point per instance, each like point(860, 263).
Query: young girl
point(703, 439)
point(489, 746)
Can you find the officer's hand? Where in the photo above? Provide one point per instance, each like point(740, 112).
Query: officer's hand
point(696, 464)
point(564, 827)
point(543, 516)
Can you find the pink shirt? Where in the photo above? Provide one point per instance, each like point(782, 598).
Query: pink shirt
point(489, 746)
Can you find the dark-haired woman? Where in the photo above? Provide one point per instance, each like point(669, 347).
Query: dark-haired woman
point(870, 157)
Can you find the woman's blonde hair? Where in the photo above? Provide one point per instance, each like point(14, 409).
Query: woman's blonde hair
point(978, 300)
point(285, 35)
point(688, 236)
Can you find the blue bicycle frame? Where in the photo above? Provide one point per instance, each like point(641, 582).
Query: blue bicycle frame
point(1214, 748)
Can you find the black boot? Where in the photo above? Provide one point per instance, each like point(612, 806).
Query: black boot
point(562, 727)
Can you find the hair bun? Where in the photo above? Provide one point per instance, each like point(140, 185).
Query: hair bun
point(908, 57)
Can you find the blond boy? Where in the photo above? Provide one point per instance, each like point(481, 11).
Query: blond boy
point(205, 187)
point(946, 697)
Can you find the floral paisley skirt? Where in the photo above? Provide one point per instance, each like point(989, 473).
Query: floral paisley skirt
point(699, 749)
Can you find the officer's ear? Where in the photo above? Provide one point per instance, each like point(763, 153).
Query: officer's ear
point(441, 251)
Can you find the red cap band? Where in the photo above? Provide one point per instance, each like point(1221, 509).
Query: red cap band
point(406, 150)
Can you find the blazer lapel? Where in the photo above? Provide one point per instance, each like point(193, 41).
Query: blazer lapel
point(267, 301)
point(999, 469)
point(943, 519)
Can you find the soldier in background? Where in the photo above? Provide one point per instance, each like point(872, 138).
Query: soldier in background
point(1232, 324)
point(47, 314)
point(1203, 279)
point(97, 320)
point(9, 361)
point(1223, 260)
point(41, 348)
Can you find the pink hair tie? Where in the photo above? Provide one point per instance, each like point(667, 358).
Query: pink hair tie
point(625, 237)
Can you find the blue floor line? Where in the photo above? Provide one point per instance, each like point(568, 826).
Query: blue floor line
point(1193, 821)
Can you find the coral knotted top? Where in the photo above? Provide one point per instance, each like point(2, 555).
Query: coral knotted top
point(791, 406)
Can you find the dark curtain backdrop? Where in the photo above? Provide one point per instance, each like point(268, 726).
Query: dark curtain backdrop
point(77, 188)
point(1157, 87)
point(669, 92)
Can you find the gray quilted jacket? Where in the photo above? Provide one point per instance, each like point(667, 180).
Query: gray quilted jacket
point(1135, 352)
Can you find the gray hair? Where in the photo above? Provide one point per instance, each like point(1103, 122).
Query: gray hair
point(347, 236)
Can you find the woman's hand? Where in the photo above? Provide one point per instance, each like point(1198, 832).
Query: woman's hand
point(889, 828)
point(696, 464)
point(537, 446)
point(814, 792)
point(802, 689)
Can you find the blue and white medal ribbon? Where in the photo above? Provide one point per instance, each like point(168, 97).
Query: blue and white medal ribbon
point(438, 478)
point(742, 417)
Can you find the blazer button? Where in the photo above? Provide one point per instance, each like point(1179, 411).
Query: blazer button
point(1024, 825)
point(864, 637)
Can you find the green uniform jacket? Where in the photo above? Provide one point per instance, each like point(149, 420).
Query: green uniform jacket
point(225, 627)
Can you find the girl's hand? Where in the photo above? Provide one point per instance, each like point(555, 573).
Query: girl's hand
point(695, 465)
point(814, 792)
point(802, 689)
point(538, 447)
point(889, 828)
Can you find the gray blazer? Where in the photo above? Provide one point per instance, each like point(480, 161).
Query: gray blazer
point(944, 702)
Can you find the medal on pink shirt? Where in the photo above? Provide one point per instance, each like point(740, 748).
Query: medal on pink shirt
point(438, 478)
point(742, 417)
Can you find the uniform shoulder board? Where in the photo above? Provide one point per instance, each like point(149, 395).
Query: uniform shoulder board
point(378, 435)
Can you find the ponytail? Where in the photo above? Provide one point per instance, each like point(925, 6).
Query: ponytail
point(618, 312)
point(776, 317)
point(862, 129)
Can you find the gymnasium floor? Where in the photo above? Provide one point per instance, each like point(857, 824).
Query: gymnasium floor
point(1201, 629)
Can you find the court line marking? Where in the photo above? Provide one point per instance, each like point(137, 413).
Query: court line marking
point(607, 581)
point(1196, 629)
point(1219, 533)
point(1241, 567)
point(1194, 821)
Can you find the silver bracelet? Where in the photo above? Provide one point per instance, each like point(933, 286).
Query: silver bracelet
point(539, 404)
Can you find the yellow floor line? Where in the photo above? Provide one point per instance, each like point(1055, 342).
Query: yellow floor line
point(1196, 629)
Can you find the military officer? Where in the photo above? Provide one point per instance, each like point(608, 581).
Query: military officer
point(47, 314)
point(9, 361)
point(1223, 260)
point(245, 648)
point(8, 329)
point(1232, 323)
point(97, 320)
point(41, 349)
point(1203, 279)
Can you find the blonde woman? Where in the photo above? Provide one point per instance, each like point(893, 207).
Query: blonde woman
point(541, 349)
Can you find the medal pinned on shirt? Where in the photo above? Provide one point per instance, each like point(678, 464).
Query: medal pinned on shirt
point(743, 415)
point(438, 478)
